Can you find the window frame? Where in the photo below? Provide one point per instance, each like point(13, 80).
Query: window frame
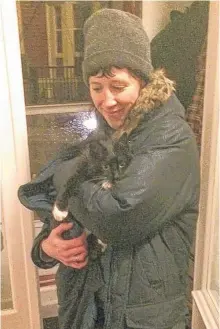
point(205, 309)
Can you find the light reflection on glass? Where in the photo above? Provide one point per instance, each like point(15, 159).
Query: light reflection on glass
point(50, 133)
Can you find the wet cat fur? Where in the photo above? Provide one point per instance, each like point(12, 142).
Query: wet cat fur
point(99, 159)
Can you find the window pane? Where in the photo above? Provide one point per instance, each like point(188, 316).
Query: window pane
point(81, 11)
point(78, 66)
point(58, 17)
point(44, 40)
point(51, 132)
point(59, 42)
point(60, 69)
point(78, 38)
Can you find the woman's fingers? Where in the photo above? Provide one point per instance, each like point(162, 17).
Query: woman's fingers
point(71, 254)
point(79, 265)
point(75, 264)
point(64, 250)
point(74, 243)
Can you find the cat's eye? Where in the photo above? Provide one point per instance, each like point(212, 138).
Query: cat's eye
point(105, 166)
point(122, 165)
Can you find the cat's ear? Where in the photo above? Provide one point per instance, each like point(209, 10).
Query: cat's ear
point(96, 150)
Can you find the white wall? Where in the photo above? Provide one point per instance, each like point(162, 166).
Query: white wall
point(156, 14)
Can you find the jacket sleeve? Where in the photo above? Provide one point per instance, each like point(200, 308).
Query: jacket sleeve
point(38, 257)
point(160, 183)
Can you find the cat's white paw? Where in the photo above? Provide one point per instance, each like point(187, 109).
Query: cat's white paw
point(103, 245)
point(58, 214)
point(106, 185)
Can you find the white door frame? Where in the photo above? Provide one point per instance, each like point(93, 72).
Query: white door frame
point(205, 308)
point(18, 221)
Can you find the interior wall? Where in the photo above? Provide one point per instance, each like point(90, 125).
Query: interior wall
point(156, 14)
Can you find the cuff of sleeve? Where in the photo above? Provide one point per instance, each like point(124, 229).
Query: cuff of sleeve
point(38, 256)
point(44, 257)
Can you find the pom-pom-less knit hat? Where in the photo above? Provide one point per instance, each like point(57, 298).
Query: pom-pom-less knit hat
point(115, 38)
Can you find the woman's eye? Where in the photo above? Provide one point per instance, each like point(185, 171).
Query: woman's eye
point(97, 90)
point(118, 88)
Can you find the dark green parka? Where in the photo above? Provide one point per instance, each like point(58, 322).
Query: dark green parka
point(148, 221)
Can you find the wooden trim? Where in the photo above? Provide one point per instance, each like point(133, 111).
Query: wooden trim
point(204, 310)
point(58, 108)
point(51, 38)
point(17, 220)
point(68, 34)
point(202, 300)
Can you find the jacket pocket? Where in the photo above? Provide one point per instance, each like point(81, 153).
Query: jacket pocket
point(160, 315)
point(67, 282)
point(155, 275)
point(146, 281)
point(75, 285)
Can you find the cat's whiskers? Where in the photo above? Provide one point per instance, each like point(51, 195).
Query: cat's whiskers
point(96, 178)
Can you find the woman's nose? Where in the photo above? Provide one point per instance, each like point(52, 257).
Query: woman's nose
point(108, 99)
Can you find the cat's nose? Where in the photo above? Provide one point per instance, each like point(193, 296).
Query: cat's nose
point(116, 176)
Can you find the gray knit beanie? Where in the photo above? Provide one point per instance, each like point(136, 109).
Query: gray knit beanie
point(115, 38)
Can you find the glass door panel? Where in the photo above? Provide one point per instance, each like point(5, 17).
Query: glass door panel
point(6, 291)
point(49, 132)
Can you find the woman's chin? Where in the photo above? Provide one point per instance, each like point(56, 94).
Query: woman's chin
point(115, 124)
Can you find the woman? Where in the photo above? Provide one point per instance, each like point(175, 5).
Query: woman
point(148, 219)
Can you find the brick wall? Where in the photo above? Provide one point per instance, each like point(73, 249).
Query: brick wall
point(33, 16)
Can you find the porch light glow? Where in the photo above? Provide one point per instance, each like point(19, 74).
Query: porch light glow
point(90, 123)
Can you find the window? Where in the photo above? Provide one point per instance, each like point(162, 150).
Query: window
point(51, 37)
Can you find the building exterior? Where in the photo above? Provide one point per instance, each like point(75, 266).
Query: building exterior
point(51, 40)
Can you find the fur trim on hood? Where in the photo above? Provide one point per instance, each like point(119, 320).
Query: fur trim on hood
point(154, 94)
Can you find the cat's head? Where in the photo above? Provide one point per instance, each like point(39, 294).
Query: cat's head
point(112, 157)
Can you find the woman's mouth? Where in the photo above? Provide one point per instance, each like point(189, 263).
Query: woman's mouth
point(115, 114)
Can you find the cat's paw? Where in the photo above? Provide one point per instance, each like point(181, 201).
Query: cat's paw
point(106, 185)
point(103, 245)
point(58, 214)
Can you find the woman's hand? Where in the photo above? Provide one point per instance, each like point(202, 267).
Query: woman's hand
point(72, 252)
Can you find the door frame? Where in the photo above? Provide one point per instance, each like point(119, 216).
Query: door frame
point(18, 221)
point(205, 314)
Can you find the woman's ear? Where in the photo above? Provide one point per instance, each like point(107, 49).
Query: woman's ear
point(143, 83)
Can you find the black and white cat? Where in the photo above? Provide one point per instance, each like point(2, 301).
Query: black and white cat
point(100, 159)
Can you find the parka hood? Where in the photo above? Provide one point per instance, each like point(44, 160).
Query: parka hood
point(157, 91)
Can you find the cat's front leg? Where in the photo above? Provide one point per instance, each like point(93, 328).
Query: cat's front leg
point(58, 214)
point(106, 185)
point(102, 244)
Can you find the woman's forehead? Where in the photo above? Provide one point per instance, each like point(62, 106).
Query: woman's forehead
point(116, 74)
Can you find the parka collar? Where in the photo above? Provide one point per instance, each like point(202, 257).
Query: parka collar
point(157, 91)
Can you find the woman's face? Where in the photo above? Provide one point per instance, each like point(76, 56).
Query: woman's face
point(114, 96)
